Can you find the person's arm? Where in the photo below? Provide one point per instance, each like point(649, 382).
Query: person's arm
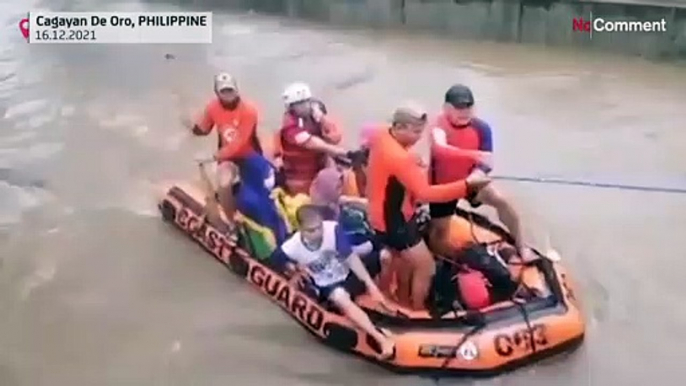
point(284, 258)
point(353, 200)
point(244, 135)
point(415, 180)
point(363, 249)
point(330, 129)
point(361, 272)
point(203, 126)
point(301, 137)
point(485, 146)
point(440, 147)
point(344, 248)
point(318, 144)
point(280, 259)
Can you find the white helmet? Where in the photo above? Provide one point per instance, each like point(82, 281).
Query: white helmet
point(296, 92)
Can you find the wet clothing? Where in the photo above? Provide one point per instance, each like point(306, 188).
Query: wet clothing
point(396, 183)
point(264, 226)
point(236, 128)
point(331, 270)
point(301, 165)
point(352, 217)
point(447, 165)
point(326, 265)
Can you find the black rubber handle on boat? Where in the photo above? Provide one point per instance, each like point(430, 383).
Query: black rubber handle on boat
point(462, 341)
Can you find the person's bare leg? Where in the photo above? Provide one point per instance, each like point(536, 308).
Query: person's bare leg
point(211, 209)
point(403, 277)
point(423, 270)
point(386, 274)
point(342, 300)
point(226, 176)
point(438, 237)
point(507, 215)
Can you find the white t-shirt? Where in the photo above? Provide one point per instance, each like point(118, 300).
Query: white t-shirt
point(327, 264)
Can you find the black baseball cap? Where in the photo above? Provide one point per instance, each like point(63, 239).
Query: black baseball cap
point(459, 95)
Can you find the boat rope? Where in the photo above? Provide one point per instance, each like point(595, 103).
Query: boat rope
point(463, 339)
point(519, 303)
point(525, 315)
point(607, 185)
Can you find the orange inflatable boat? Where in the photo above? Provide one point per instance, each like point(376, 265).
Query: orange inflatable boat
point(501, 337)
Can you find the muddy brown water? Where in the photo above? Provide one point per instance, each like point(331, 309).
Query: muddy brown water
point(95, 290)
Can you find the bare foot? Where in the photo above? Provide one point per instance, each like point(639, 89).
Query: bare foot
point(387, 346)
point(528, 255)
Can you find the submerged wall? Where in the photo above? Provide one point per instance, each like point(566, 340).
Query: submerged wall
point(546, 22)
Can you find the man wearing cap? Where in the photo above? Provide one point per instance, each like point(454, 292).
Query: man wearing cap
point(236, 122)
point(462, 146)
point(396, 183)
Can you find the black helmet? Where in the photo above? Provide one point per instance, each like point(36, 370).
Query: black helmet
point(459, 95)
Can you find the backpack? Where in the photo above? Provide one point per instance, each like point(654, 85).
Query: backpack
point(354, 221)
point(473, 289)
point(457, 284)
point(495, 271)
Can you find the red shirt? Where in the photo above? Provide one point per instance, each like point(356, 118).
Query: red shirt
point(300, 164)
point(446, 165)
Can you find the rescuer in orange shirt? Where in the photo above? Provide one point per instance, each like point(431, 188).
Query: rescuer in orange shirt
point(235, 120)
point(396, 183)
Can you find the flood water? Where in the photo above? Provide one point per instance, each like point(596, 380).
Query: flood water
point(95, 290)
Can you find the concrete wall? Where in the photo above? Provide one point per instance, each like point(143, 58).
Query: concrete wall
point(547, 22)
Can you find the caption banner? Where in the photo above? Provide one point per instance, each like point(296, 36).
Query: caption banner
point(120, 27)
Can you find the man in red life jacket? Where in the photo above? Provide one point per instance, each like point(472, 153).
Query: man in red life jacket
point(307, 139)
point(235, 120)
point(462, 145)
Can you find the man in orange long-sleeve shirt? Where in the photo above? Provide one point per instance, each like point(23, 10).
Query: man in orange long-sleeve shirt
point(396, 182)
point(235, 120)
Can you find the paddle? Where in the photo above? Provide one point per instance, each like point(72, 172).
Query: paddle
point(211, 202)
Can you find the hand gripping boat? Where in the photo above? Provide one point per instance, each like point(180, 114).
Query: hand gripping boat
point(487, 342)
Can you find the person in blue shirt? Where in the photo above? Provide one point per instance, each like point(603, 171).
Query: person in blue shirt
point(256, 207)
point(321, 250)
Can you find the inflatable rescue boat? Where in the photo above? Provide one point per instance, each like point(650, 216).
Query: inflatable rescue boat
point(489, 341)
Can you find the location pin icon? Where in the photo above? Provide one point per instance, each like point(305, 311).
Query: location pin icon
point(24, 27)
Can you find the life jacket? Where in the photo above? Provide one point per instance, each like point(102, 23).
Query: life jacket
point(300, 165)
point(447, 169)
